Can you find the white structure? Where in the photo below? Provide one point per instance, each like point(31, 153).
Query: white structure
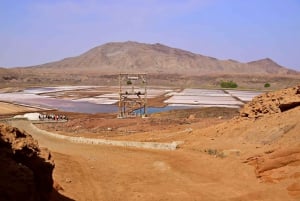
point(30, 116)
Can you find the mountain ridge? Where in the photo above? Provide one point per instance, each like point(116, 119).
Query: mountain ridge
point(157, 58)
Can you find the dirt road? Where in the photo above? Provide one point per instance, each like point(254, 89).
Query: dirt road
point(98, 172)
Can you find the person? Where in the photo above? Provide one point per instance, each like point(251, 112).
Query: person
point(139, 94)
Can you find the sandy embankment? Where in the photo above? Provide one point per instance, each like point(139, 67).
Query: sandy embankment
point(9, 108)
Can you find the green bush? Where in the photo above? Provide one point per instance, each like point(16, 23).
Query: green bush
point(228, 84)
point(267, 85)
point(129, 82)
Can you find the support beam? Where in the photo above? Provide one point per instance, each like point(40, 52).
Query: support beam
point(132, 95)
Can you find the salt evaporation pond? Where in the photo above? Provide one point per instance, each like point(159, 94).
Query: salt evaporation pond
point(188, 98)
point(39, 90)
point(151, 110)
point(59, 104)
point(32, 97)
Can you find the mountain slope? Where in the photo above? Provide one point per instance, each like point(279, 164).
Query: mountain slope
point(158, 59)
point(269, 66)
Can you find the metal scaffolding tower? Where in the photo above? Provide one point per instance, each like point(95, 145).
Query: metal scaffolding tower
point(132, 95)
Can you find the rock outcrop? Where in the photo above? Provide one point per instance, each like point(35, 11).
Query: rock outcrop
point(275, 166)
point(272, 102)
point(25, 169)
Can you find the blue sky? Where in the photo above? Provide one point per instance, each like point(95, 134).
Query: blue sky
point(40, 31)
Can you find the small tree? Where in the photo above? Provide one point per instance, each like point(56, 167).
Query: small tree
point(129, 82)
point(267, 85)
point(228, 84)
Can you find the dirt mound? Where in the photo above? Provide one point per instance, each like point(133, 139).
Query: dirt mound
point(272, 102)
point(267, 135)
point(25, 169)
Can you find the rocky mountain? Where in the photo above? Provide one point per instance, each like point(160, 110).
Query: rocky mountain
point(131, 57)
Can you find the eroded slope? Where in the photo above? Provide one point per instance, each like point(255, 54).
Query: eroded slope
point(25, 169)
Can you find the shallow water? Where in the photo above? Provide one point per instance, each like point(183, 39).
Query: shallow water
point(70, 106)
point(151, 110)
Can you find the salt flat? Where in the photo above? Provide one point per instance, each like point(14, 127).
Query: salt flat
point(189, 97)
point(97, 100)
point(203, 98)
point(55, 89)
point(244, 95)
point(210, 98)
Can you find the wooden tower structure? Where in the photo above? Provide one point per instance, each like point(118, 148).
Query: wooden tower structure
point(132, 95)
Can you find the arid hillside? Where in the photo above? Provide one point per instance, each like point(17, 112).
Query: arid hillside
point(267, 131)
point(158, 58)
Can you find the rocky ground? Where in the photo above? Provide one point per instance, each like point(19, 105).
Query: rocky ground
point(272, 102)
point(165, 124)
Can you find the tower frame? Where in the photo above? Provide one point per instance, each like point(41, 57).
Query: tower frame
point(132, 95)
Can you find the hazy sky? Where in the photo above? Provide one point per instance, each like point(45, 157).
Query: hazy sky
point(40, 31)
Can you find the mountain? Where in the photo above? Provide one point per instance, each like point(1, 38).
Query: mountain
point(156, 58)
point(269, 66)
point(166, 66)
point(7, 75)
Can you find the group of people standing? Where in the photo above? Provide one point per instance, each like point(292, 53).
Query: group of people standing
point(54, 117)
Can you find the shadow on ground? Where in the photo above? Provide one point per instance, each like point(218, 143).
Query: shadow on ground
point(56, 196)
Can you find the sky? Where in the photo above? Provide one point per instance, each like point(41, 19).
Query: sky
point(34, 32)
